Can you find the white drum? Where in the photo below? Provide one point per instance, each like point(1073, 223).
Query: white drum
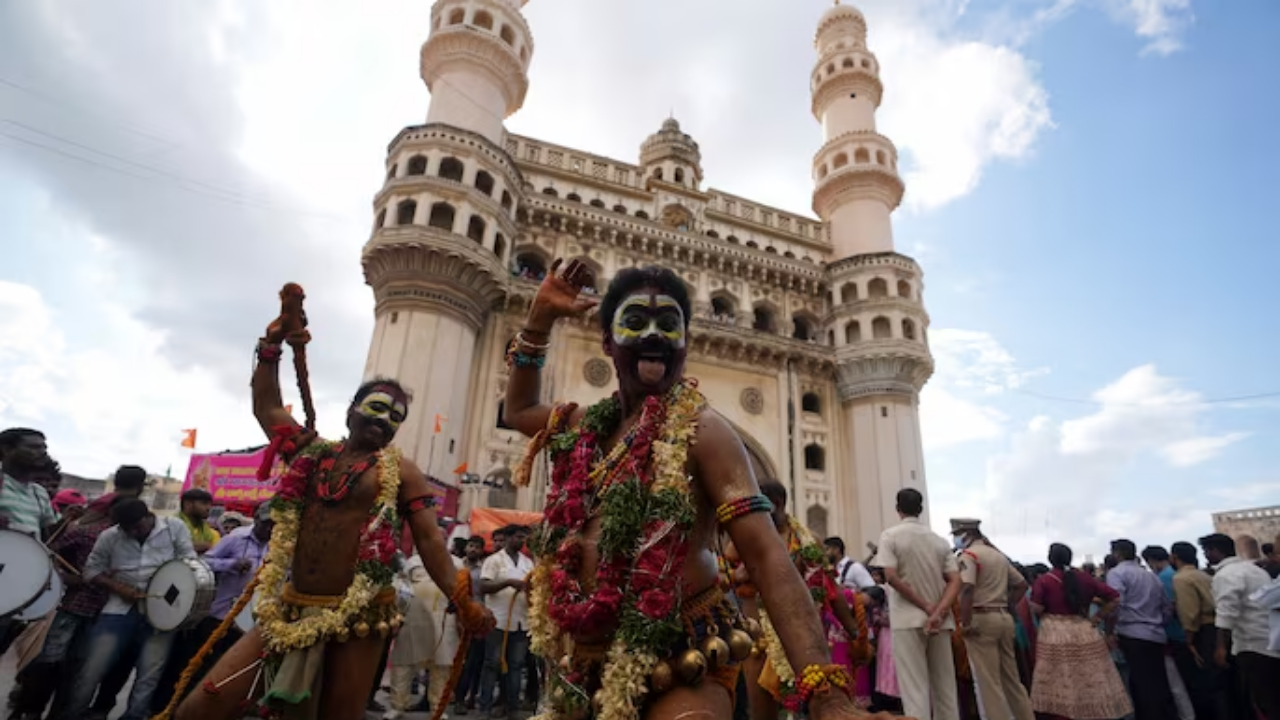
point(46, 602)
point(245, 620)
point(179, 594)
point(25, 569)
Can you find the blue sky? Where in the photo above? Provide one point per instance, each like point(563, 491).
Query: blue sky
point(1089, 192)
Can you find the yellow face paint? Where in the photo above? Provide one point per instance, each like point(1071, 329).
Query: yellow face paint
point(644, 316)
point(383, 406)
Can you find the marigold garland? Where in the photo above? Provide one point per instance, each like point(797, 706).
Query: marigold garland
point(641, 490)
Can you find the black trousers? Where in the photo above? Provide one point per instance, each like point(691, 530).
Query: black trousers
point(469, 683)
point(1148, 681)
point(1262, 679)
point(185, 647)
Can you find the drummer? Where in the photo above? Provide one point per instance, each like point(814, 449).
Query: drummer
point(123, 560)
point(234, 560)
point(24, 504)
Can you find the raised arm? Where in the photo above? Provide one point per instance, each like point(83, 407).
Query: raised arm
point(559, 296)
point(724, 473)
point(291, 326)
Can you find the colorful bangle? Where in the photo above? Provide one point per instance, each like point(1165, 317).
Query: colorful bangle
point(269, 352)
point(520, 340)
point(819, 679)
point(518, 359)
point(418, 504)
point(732, 510)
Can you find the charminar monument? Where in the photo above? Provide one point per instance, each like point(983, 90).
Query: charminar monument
point(809, 335)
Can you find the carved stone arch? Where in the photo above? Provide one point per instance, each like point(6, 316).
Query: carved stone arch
point(761, 465)
point(722, 300)
point(677, 216)
point(816, 520)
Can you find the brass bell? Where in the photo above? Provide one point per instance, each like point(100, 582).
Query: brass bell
point(755, 651)
point(752, 626)
point(396, 621)
point(692, 667)
point(740, 645)
point(383, 629)
point(662, 679)
point(716, 651)
point(362, 629)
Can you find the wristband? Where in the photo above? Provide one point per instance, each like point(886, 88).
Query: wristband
point(269, 352)
point(732, 510)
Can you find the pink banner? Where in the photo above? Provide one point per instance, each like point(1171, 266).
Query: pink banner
point(232, 478)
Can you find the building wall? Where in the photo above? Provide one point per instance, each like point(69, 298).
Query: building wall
point(1262, 523)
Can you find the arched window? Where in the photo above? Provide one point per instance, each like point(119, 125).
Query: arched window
point(880, 157)
point(789, 254)
point(657, 173)
point(866, 63)
point(484, 183)
point(381, 220)
point(499, 245)
point(483, 20)
point(475, 228)
point(713, 234)
point(877, 288)
point(530, 266)
point(405, 212)
point(908, 330)
point(848, 63)
point(417, 166)
point(597, 203)
point(620, 209)
point(680, 175)
point(458, 16)
point(849, 292)
point(506, 200)
point(753, 244)
point(550, 191)
point(771, 250)
point(575, 197)
point(904, 289)
point(852, 332)
point(880, 329)
point(733, 239)
point(451, 168)
point(441, 216)
point(763, 320)
point(507, 35)
point(840, 161)
point(811, 403)
point(831, 67)
point(391, 173)
point(642, 215)
point(802, 329)
point(815, 458)
point(822, 171)
point(862, 156)
point(722, 309)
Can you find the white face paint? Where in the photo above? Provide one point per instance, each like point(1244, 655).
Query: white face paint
point(646, 316)
point(383, 406)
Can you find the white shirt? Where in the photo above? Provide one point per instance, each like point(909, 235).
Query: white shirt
point(921, 558)
point(1269, 598)
point(852, 574)
point(511, 615)
point(133, 563)
point(1234, 581)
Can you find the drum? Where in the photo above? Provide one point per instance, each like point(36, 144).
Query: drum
point(179, 594)
point(25, 570)
point(245, 620)
point(45, 603)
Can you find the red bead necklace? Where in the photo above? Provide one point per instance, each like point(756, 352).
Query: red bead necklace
point(326, 490)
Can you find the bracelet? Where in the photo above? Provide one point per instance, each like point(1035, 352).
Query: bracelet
point(821, 679)
point(732, 510)
point(518, 359)
point(269, 352)
point(418, 504)
point(520, 339)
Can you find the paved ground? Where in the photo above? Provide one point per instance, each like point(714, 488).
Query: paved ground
point(7, 673)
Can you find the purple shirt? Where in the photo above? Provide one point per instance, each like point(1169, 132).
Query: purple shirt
point(240, 544)
point(1144, 606)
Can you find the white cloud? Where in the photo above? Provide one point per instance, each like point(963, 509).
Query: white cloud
point(1249, 493)
point(1194, 451)
point(967, 363)
point(1160, 22)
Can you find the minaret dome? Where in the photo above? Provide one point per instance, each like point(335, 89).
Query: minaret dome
point(672, 155)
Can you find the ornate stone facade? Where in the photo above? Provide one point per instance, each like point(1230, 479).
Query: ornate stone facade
point(809, 335)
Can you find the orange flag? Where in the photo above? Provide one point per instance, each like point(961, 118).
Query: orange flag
point(189, 439)
point(460, 469)
point(440, 420)
point(288, 409)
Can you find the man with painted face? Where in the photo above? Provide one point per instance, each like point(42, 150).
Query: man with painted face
point(322, 627)
point(625, 603)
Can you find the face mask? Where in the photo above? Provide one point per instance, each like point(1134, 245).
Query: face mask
point(382, 406)
point(958, 542)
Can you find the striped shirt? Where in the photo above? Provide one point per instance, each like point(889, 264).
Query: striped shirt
point(26, 506)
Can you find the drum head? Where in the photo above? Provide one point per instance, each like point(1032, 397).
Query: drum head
point(171, 595)
point(46, 603)
point(24, 571)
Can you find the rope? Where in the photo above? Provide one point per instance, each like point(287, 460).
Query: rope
point(205, 650)
point(506, 629)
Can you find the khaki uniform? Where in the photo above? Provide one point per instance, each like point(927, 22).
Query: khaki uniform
point(991, 635)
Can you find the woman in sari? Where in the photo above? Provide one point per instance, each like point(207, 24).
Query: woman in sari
point(1075, 678)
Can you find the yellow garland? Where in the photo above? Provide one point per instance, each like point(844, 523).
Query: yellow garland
point(625, 674)
point(282, 635)
point(774, 651)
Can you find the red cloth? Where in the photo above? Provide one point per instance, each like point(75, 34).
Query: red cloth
point(1050, 592)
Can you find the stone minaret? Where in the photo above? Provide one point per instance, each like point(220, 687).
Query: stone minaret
point(446, 221)
point(878, 316)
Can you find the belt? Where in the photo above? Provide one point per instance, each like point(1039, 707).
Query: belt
point(990, 609)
